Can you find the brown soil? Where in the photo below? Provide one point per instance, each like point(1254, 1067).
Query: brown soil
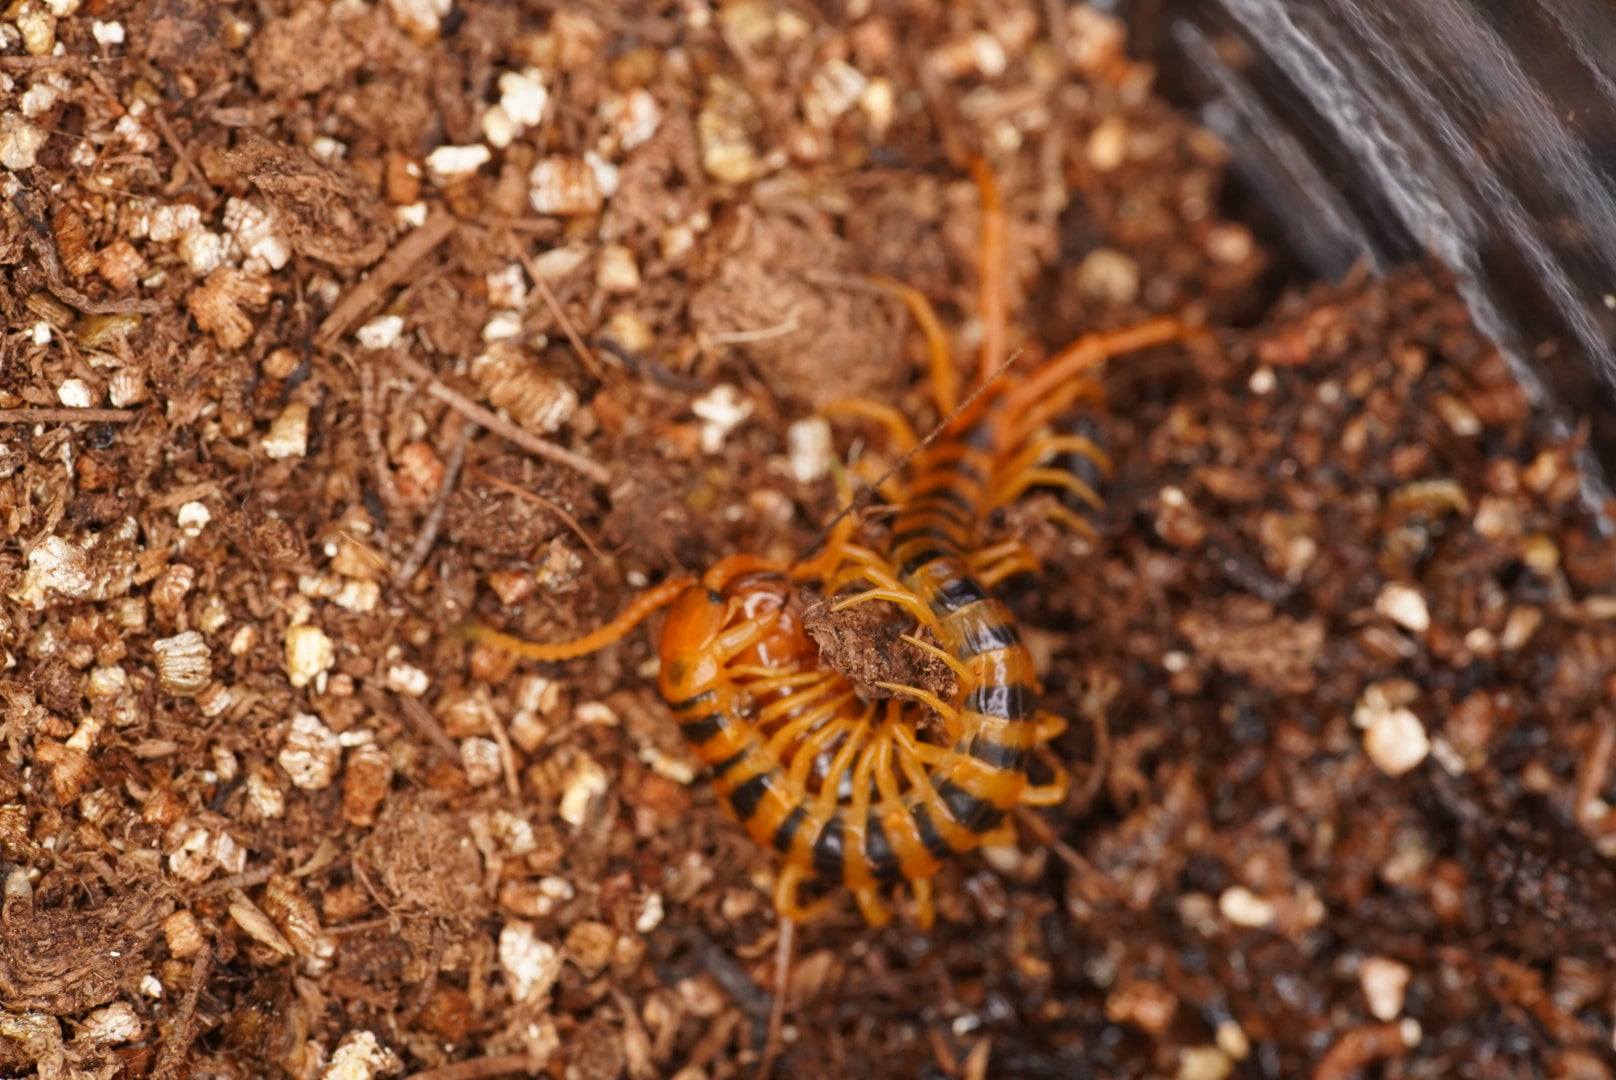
point(292, 387)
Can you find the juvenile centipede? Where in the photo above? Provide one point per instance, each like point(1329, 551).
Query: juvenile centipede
point(850, 792)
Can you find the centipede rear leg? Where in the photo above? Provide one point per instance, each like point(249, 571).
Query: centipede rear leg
point(944, 378)
point(1052, 792)
point(992, 268)
point(788, 903)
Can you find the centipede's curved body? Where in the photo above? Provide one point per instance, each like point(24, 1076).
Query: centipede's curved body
point(848, 791)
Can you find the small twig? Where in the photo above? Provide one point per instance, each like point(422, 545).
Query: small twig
point(1589, 811)
point(172, 1057)
point(428, 535)
point(372, 403)
point(587, 355)
point(507, 756)
point(181, 154)
point(532, 496)
point(395, 267)
point(1045, 835)
point(777, 1008)
point(542, 227)
point(235, 881)
point(421, 719)
point(29, 414)
point(762, 333)
point(31, 63)
point(423, 992)
point(457, 401)
point(483, 1067)
point(753, 1000)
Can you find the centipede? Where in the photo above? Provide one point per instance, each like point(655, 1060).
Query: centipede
point(864, 794)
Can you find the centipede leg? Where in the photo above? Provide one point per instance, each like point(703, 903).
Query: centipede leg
point(1073, 521)
point(1052, 793)
point(860, 563)
point(786, 901)
point(992, 268)
point(1017, 485)
point(649, 601)
point(942, 708)
point(896, 424)
point(835, 539)
point(1044, 447)
point(872, 907)
point(1023, 422)
point(1047, 726)
point(925, 904)
point(731, 643)
point(1004, 836)
point(992, 565)
point(904, 599)
point(1090, 351)
point(944, 379)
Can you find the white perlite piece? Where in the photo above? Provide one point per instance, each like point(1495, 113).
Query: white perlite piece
point(1404, 605)
point(1203, 1063)
point(309, 654)
point(585, 781)
point(112, 1024)
point(184, 663)
point(382, 332)
point(1385, 983)
point(289, 432)
point(809, 449)
point(1395, 741)
point(448, 162)
point(522, 101)
point(193, 517)
point(75, 394)
point(54, 565)
point(1243, 907)
point(481, 761)
point(311, 753)
point(361, 1057)
point(256, 232)
point(421, 18)
point(407, 679)
point(721, 410)
point(20, 141)
point(531, 964)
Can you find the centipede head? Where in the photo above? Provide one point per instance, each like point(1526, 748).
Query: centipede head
point(740, 613)
point(771, 599)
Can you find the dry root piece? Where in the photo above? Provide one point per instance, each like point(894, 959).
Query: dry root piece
point(320, 213)
point(66, 962)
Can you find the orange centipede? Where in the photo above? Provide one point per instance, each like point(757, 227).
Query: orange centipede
point(850, 792)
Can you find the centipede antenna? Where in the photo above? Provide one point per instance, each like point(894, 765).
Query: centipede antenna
point(651, 600)
point(860, 498)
